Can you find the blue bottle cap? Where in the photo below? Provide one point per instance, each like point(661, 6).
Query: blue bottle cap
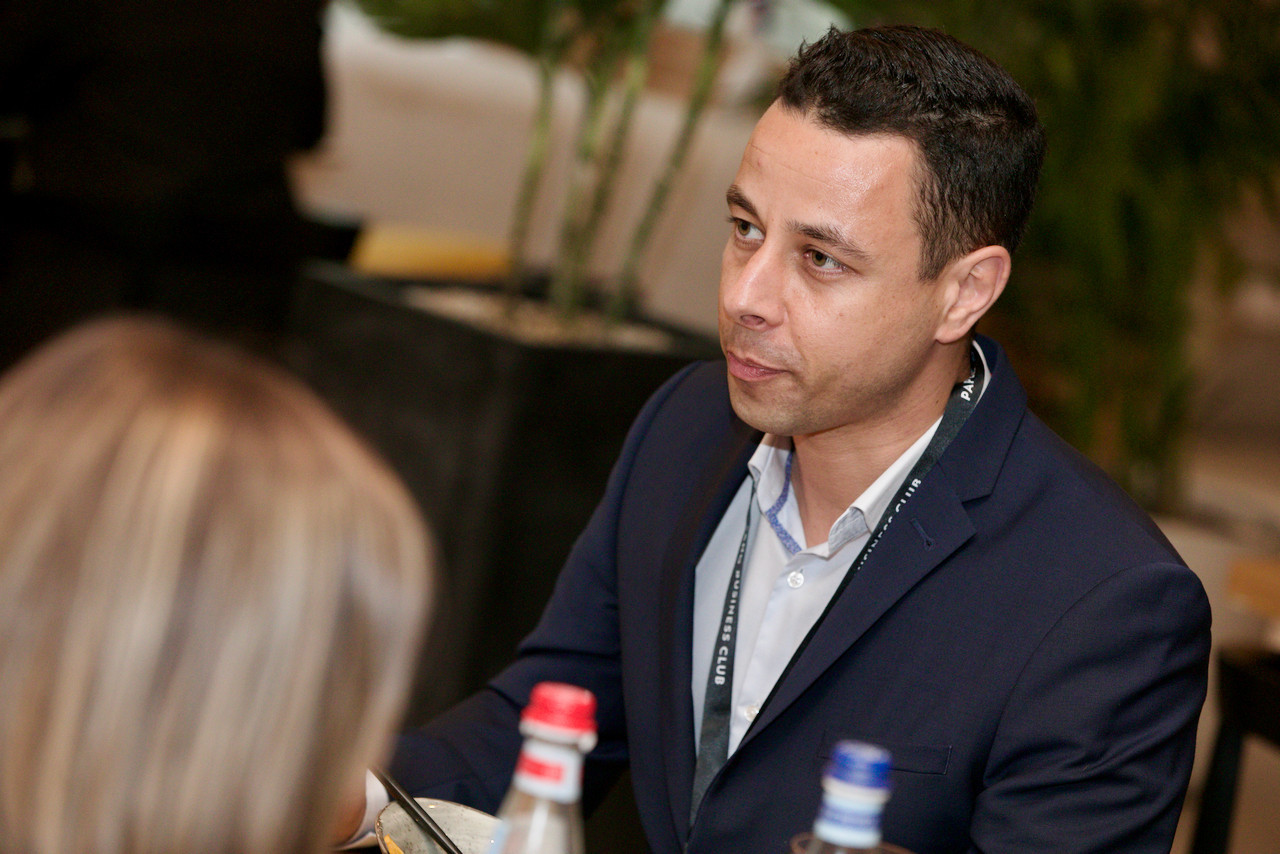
point(857, 763)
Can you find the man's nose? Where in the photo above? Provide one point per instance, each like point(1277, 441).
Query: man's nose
point(750, 291)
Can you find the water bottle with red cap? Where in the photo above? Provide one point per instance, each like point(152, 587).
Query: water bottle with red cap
point(541, 812)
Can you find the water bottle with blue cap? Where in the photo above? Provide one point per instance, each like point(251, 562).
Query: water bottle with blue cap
point(855, 787)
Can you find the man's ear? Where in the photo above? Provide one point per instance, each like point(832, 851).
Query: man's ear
point(972, 285)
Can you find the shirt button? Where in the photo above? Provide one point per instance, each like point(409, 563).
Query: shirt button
point(795, 579)
point(750, 712)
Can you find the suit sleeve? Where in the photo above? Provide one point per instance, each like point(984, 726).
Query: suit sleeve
point(469, 753)
point(1094, 750)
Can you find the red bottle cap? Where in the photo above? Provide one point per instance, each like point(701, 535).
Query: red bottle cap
point(562, 706)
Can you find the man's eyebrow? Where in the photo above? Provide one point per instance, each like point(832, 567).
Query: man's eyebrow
point(832, 237)
point(738, 199)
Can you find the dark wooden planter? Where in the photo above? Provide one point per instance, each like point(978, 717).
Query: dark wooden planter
point(506, 446)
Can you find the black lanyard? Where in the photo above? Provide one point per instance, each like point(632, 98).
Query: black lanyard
point(713, 744)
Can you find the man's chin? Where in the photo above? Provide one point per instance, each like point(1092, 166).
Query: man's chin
point(751, 407)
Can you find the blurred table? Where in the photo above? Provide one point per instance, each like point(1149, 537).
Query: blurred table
point(1248, 699)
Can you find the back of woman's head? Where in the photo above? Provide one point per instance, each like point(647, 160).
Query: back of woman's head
point(210, 597)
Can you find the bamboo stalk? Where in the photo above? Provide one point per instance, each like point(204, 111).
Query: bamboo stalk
point(566, 287)
point(636, 72)
point(626, 294)
point(556, 39)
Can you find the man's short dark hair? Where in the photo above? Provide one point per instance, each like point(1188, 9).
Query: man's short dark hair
point(980, 141)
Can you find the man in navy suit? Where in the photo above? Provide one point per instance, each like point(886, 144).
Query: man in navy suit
point(855, 528)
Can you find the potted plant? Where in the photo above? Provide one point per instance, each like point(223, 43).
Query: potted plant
point(607, 43)
point(505, 433)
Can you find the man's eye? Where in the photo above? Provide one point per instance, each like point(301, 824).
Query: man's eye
point(745, 229)
point(823, 261)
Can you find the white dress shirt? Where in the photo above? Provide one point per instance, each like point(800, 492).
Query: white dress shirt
point(786, 583)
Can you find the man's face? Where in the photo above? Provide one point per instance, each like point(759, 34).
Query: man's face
point(823, 319)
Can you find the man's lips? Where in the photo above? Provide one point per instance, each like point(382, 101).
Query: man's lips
point(746, 369)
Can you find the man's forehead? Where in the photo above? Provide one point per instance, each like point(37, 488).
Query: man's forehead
point(791, 152)
point(801, 132)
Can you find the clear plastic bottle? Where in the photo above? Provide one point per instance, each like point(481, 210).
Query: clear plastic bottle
point(855, 787)
point(542, 812)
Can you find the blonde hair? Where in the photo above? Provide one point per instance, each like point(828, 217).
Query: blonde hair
point(211, 594)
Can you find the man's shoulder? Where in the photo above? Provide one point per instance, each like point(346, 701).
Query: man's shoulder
point(1031, 474)
point(689, 424)
point(1063, 487)
point(703, 377)
point(697, 394)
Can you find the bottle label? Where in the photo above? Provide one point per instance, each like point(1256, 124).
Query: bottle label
point(848, 824)
point(532, 766)
point(552, 771)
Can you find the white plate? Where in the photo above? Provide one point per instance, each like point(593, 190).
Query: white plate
point(470, 829)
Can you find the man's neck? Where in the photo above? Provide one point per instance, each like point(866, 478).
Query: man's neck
point(831, 469)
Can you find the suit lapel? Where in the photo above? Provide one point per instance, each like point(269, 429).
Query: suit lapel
point(932, 525)
point(709, 498)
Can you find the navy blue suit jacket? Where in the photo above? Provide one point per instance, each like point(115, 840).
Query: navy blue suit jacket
point(1024, 641)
